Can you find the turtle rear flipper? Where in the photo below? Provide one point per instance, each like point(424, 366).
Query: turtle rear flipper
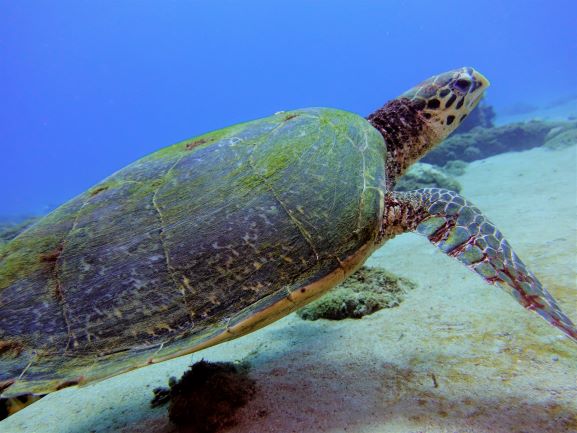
point(460, 230)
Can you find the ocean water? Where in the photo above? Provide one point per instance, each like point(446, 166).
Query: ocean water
point(89, 87)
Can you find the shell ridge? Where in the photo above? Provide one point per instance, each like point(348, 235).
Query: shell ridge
point(361, 149)
point(363, 174)
point(335, 185)
point(58, 263)
point(300, 227)
point(58, 278)
point(162, 224)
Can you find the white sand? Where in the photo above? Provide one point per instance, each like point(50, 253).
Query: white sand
point(456, 356)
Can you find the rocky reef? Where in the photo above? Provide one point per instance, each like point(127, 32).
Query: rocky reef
point(482, 116)
point(482, 142)
point(478, 138)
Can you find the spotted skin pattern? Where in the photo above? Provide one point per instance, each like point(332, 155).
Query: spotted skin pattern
point(460, 230)
point(423, 116)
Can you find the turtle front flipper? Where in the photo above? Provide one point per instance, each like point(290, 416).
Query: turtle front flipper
point(460, 230)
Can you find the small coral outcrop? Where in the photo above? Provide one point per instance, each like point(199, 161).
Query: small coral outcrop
point(366, 291)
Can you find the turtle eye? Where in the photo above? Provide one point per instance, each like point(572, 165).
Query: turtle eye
point(463, 84)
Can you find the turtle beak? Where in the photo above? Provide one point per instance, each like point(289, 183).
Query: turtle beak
point(481, 80)
point(480, 84)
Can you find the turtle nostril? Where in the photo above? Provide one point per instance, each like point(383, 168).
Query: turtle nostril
point(463, 84)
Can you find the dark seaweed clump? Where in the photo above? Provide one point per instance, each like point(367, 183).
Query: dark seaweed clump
point(366, 291)
point(207, 396)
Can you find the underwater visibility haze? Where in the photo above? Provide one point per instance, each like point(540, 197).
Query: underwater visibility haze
point(147, 253)
point(88, 87)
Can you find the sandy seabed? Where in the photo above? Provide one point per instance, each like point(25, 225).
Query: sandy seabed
point(456, 356)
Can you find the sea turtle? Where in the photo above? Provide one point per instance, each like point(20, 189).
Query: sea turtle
point(219, 235)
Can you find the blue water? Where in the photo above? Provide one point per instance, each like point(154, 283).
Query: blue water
point(88, 87)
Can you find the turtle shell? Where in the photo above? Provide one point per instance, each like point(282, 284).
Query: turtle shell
point(195, 244)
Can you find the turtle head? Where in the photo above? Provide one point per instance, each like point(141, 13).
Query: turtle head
point(425, 115)
point(445, 100)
